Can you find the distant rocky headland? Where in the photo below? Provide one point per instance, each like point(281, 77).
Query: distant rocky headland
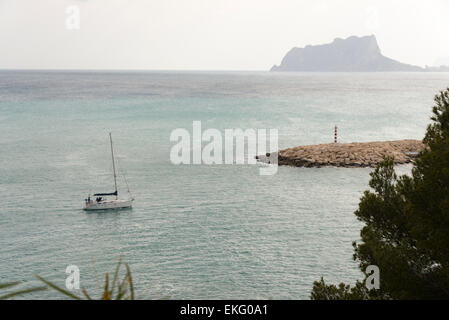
point(365, 154)
point(354, 54)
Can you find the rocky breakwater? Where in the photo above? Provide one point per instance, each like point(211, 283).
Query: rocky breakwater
point(366, 154)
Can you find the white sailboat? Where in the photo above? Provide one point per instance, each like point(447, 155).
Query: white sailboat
point(102, 203)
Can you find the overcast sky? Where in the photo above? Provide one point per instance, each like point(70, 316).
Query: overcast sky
point(209, 34)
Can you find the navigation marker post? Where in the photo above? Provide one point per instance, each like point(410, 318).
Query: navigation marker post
point(335, 135)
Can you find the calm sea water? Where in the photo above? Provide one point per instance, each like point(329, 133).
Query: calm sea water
point(196, 232)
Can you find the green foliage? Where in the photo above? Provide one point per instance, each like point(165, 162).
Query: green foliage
point(406, 231)
point(10, 295)
point(321, 291)
point(115, 290)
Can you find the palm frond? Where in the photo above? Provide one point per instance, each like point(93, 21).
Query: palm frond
point(84, 291)
point(63, 291)
point(21, 292)
point(117, 269)
point(8, 284)
point(106, 295)
point(131, 287)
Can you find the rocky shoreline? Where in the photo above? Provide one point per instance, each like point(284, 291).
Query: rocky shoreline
point(364, 154)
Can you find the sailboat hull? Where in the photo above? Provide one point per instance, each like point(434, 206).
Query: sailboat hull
point(108, 205)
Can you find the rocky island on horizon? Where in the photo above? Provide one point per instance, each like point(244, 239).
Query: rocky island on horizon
point(356, 154)
point(353, 54)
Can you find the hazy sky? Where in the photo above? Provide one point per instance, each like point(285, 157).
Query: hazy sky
point(209, 34)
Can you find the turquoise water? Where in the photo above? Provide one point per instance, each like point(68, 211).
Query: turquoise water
point(198, 232)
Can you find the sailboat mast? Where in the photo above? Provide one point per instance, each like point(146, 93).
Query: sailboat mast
point(113, 166)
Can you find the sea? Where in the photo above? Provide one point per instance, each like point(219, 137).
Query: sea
point(195, 231)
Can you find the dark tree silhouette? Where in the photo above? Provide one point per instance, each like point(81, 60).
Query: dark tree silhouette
point(406, 232)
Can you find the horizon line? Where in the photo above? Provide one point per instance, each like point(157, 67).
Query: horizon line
point(206, 71)
point(144, 70)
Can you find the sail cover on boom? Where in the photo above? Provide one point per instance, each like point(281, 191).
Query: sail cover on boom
point(105, 194)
